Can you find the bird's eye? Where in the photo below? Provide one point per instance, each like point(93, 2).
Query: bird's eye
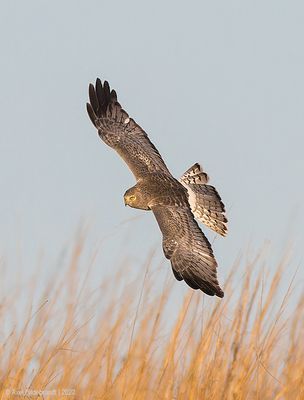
point(132, 198)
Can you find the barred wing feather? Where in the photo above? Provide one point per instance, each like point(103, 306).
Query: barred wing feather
point(188, 249)
point(122, 133)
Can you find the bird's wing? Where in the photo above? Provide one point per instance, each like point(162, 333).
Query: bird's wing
point(122, 133)
point(188, 249)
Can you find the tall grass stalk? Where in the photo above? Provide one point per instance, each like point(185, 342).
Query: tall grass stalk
point(126, 341)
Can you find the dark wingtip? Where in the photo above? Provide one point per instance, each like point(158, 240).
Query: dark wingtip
point(220, 294)
point(91, 113)
point(106, 92)
point(100, 93)
point(106, 86)
point(101, 96)
point(93, 98)
point(212, 289)
point(113, 95)
point(213, 292)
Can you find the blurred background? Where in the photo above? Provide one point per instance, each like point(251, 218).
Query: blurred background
point(219, 83)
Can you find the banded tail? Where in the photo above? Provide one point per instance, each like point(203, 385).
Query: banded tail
point(205, 202)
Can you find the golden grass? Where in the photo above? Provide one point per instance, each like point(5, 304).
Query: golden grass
point(128, 341)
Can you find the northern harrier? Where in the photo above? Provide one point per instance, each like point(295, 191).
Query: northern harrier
point(174, 203)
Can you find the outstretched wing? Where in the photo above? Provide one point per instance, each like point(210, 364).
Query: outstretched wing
point(188, 249)
point(122, 133)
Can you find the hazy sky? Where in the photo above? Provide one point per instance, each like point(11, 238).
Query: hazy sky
point(215, 82)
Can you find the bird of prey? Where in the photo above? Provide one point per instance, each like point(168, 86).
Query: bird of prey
point(174, 203)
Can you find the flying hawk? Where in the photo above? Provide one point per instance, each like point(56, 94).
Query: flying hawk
point(174, 203)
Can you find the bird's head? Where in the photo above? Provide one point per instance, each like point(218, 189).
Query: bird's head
point(130, 197)
point(135, 198)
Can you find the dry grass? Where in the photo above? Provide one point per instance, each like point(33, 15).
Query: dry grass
point(124, 341)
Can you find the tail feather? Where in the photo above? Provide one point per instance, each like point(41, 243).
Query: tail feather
point(205, 202)
point(209, 208)
point(195, 175)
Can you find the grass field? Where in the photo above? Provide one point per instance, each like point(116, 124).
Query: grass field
point(128, 341)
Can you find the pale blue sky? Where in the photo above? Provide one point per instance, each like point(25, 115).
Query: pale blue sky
point(215, 82)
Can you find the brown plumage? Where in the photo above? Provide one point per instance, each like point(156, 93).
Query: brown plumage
point(174, 203)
